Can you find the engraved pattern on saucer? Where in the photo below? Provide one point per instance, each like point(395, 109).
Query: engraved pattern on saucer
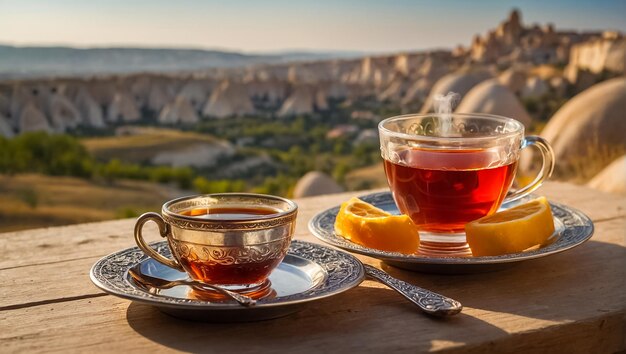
point(334, 272)
point(572, 229)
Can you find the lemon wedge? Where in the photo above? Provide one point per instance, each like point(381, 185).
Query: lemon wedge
point(366, 225)
point(524, 227)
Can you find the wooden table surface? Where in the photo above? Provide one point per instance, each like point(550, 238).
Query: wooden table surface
point(569, 302)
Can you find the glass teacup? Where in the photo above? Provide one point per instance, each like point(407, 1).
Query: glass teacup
point(446, 170)
point(233, 240)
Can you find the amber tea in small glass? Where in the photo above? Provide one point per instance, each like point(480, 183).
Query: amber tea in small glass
point(233, 240)
point(228, 273)
point(445, 170)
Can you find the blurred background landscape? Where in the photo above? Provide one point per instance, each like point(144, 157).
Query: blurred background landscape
point(108, 109)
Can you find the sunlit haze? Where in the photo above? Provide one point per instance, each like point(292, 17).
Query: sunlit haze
point(255, 26)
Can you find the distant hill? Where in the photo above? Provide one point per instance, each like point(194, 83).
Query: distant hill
point(28, 62)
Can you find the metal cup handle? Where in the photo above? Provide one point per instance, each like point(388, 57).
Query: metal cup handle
point(164, 230)
point(547, 166)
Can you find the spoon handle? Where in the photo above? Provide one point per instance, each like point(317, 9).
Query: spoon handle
point(158, 283)
point(430, 302)
point(241, 299)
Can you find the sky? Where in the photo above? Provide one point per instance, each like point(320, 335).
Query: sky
point(279, 25)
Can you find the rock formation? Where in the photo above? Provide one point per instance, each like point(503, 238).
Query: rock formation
point(460, 83)
point(5, 105)
point(228, 99)
point(493, 98)
point(196, 92)
point(395, 91)
point(607, 53)
point(89, 109)
point(122, 109)
point(303, 100)
point(196, 155)
point(32, 119)
point(612, 179)
point(158, 96)
point(534, 88)
point(63, 114)
point(315, 183)
point(178, 111)
point(512, 42)
point(514, 79)
point(529, 57)
point(589, 121)
point(5, 128)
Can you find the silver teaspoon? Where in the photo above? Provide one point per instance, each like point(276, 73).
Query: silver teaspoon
point(430, 302)
point(159, 283)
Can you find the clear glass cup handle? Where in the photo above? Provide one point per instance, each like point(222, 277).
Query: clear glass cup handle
point(547, 166)
point(164, 230)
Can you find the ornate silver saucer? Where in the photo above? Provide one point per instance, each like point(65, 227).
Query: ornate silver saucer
point(572, 229)
point(309, 272)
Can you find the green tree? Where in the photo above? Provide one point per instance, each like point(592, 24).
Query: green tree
point(340, 171)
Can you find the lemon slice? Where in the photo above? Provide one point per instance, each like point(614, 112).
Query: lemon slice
point(524, 227)
point(366, 225)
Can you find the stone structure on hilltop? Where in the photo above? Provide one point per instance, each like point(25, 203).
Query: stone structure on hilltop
point(493, 98)
point(527, 61)
point(512, 42)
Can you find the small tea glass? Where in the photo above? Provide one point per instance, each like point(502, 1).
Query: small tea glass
point(445, 170)
point(236, 253)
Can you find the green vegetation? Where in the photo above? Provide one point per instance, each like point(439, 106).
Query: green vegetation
point(63, 155)
point(271, 154)
point(296, 145)
point(56, 155)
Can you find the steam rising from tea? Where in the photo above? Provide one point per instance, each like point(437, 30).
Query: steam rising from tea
point(443, 108)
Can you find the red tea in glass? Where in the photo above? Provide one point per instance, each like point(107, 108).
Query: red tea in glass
point(441, 191)
point(233, 240)
point(226, 273)
point(447, 169)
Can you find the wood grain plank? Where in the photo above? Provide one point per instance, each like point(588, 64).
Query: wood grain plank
point(595, 259)
point(533, 296)
point(572, 301)
point(354, 321)
point(86, 240)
